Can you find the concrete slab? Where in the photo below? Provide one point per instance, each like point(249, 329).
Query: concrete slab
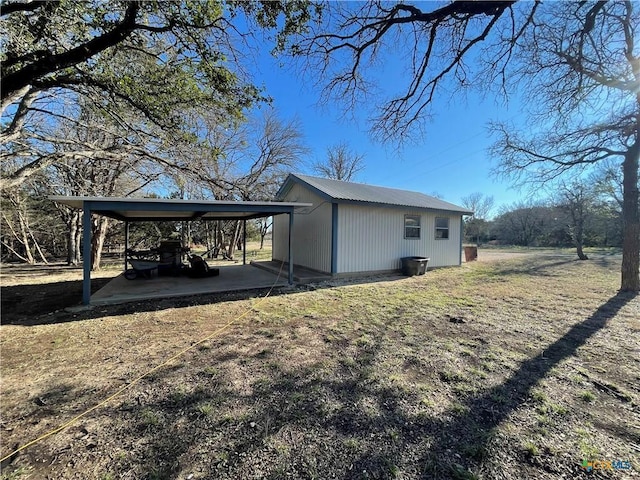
point(231, 278)
point(300, 274)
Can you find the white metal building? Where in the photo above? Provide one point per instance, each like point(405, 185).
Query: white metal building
point(356, 228)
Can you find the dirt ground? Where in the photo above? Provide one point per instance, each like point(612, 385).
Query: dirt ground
point(517, 366)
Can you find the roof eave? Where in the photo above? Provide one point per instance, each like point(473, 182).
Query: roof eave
point(294, 179)
point(144, 209)
point(346, 201)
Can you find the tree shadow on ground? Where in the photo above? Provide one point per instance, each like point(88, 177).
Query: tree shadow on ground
point(485, 414)
point(32, 305)
point(41, 304)
point(345, 424)
point(524, 266)
point(606, 261)
point(310, 422)
point(50, 303)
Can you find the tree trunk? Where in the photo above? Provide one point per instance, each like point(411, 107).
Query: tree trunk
point(233, 241)
point(219, 235)
point(264, 229)
point(19, 244)
point(577, 229)
point(74, 234)
point(631, 219)
point(78, 238)
point(99, 227)
point(185, 234)
point(210, 238)
point(24, 227)
point(71, 241)
point(11, 247)
point(580, 252)
point(36, 245)
point(578, 238)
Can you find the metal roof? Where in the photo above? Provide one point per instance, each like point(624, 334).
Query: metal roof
point(349, 192)
point(159, 209)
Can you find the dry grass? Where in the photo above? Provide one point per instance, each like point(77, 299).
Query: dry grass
point(254, 253)
point(507, 369)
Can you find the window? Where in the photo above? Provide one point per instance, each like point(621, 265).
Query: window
point(442, 228)
point(412, 226)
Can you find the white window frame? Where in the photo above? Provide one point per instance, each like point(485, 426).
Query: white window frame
point(412, 227)
point(444, 231)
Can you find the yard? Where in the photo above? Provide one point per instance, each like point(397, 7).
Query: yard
point(519, 367)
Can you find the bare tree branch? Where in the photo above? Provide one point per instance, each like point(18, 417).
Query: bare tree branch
point(341, 163)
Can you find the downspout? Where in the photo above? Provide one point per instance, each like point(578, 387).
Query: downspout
point(461, 234)
point(126, 242)
point(290, 249)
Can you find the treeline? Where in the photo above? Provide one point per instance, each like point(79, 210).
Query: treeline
point(534, 224)
point(34, 229)
point(242, 159)
point(580, 213)
point(135, 99)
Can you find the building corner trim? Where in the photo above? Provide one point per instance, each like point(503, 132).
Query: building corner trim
point(334, 238)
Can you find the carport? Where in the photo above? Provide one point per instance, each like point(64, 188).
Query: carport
point(156, 209)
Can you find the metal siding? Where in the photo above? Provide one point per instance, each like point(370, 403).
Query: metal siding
point(371, 239)
point(444, 253)
point(311, 239)
point(334, 238)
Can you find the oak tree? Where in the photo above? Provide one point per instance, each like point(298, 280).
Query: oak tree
point(577, 64)
point(341, 163)
point(142, 62)
point(481, 205)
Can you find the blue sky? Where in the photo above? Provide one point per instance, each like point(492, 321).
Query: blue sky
point(450, 159)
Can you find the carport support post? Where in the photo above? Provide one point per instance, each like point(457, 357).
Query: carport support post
point(86, 254)
point(126, 242)
point(290, 249)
